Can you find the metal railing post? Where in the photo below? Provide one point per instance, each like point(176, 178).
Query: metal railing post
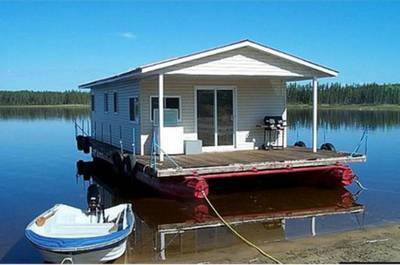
point(83, 126)
point(121, 146)
point(153, 157)
point(76, 128)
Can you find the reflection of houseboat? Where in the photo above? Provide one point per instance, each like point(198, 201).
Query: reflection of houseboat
point(220, 109)
point(169, 229)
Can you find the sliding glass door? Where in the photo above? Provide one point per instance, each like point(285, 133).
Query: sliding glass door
point(215, 117)
point(205, 117)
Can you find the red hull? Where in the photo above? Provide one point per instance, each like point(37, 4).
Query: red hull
point(192, 186)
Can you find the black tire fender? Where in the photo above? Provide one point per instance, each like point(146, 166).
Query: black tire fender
point(79, 142)
point(129, 162)
point(117, 162)
point(328, 147)
point(80, 166)
point(300, 144)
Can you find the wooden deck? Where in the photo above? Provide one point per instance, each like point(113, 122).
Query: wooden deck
point(239, 161)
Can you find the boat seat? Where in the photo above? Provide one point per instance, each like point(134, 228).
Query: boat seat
point(69, 230)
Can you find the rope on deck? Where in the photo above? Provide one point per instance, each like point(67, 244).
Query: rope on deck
point(262, 252)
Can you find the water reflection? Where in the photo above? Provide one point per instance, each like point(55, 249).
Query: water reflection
point(36, 171)
point(44, 113)
point(169, 229)
point(348, 119)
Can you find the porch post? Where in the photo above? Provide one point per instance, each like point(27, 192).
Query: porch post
point(313, 231)
point(315, 116)
point(160, 114)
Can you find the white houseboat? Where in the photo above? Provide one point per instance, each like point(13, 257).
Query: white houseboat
point(212, 114)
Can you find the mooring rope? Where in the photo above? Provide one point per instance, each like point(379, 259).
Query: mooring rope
point(262, 252)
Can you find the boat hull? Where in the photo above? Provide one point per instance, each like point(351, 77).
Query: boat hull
point(73, 242)
point(103, 255)
point(194, 186)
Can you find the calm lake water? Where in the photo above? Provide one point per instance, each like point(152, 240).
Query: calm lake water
point(38, 169)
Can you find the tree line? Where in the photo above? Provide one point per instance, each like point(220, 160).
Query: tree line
point(27, 97)
point(336, 93)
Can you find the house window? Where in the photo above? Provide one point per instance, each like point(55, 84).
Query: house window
point(115, 102)
point(105, 102)
point(134, 109)
point(170, 103)
point(92, 102)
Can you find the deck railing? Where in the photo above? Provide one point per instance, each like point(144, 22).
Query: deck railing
point(80, 127)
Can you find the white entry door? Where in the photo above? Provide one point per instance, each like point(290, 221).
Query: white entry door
point(215, 118)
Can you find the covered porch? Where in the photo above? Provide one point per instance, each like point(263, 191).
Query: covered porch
point(226, 111)
point(224, 114)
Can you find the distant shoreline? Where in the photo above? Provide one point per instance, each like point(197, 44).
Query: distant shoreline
point(394, 107)
point(47, 106)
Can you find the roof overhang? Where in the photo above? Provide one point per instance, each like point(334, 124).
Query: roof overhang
point(162, 66)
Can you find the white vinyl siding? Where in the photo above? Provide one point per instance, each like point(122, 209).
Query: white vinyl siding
point(148, 88)
point(244, 58)
point(121, 126)
point(255, 101)
point(256, 98)
point(243, 62)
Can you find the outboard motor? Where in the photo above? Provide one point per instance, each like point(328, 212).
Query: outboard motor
point(94, 202)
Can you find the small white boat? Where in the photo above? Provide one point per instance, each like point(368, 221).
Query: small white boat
point(67, 234)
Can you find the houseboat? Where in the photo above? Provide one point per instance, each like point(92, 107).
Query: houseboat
point(217, 113)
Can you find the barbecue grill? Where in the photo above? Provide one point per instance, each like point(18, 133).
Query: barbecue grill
point(273, 126)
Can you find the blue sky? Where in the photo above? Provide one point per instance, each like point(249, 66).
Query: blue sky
point(58, 45)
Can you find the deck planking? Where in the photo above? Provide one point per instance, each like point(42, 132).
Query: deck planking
point(232, 161)
point(236, 161)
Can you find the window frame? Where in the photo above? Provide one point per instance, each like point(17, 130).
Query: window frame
point(137, 114)
point(165, 99)
point(92, 102)
point(106, 102)
point(115, 102)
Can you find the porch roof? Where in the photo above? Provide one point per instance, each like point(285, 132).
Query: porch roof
point(205, 63)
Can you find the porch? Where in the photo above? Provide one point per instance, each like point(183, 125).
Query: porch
point(245, 161)
point(220, 96)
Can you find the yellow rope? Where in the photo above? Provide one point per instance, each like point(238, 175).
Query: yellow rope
point(237, 233)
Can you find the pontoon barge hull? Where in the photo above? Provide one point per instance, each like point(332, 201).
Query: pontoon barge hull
point(190, 178)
